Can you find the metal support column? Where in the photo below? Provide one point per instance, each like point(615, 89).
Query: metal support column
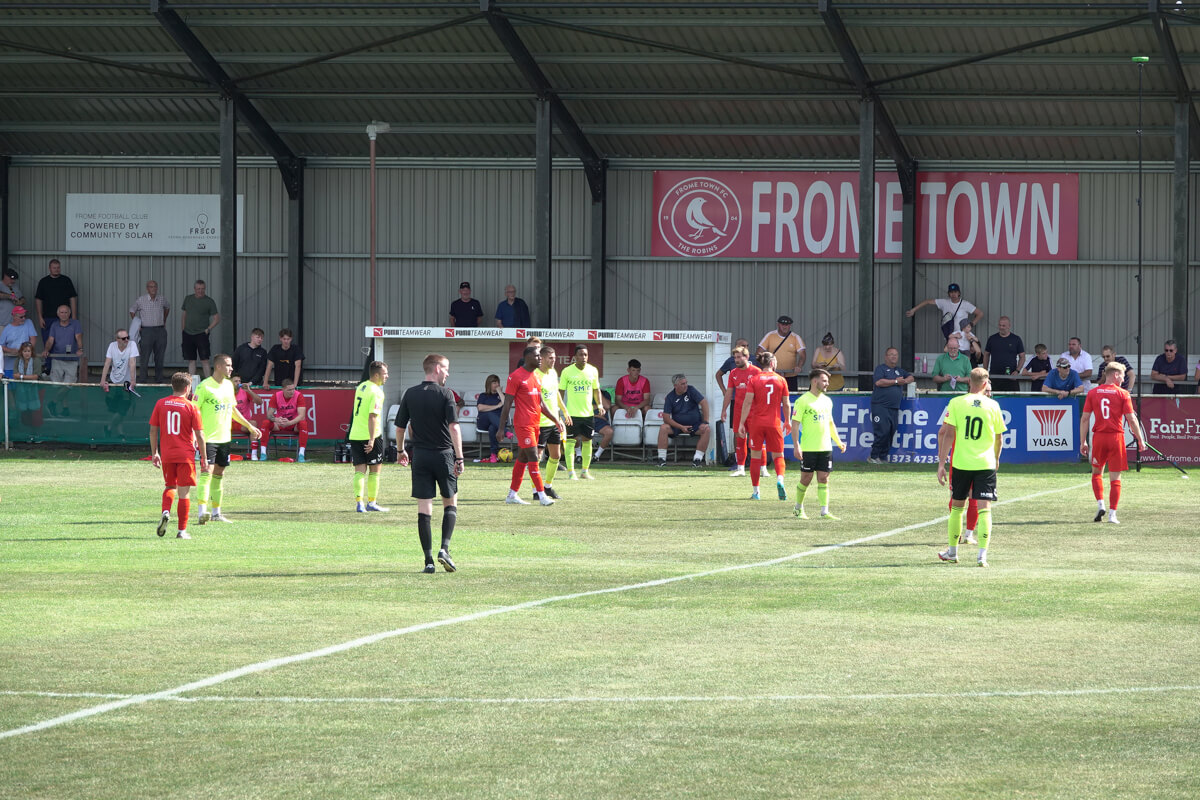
point(866, 243)
point(1180, 217)
point(295, 260)
point(542, 218)
point(227, 304)
point(908, 267)
point(599, 251)
point(5, 163)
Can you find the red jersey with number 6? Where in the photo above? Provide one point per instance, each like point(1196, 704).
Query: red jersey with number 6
point(1108, 406)
point(176, 418)
point(769, 390)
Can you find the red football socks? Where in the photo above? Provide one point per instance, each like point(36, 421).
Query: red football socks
point(168, 499)
point(185, 508)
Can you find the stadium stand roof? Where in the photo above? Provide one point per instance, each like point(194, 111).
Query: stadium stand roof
point(671, 79)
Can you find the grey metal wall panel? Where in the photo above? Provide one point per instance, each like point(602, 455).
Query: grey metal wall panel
point(1108, 216)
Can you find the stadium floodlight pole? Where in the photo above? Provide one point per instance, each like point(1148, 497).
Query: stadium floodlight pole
point(1141, 62)
point(373, 131)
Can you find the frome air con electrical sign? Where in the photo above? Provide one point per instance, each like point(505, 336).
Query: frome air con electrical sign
point(976, 216)
point(148, 223)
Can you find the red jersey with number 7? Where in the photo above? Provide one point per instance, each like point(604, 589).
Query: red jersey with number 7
point(769, 390)
point(176, 418)
point(1108, 406)
point(526, 389)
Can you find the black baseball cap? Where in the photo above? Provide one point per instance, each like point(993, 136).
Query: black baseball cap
point(9, 272)
point(464, 285)
point(953, 288)
point(784, 320)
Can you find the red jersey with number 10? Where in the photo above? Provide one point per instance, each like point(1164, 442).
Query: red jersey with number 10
point(1108, 406)
point(526, 389)
point(769, 390)
point(176, 419)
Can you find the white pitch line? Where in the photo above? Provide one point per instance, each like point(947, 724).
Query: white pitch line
point(353, 644)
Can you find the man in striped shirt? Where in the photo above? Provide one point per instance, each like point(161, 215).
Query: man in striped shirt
point(150, 311)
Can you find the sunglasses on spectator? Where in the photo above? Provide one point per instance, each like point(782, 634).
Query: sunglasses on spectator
point(122, 338)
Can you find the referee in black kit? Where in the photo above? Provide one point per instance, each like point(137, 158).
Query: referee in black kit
point(437, 459)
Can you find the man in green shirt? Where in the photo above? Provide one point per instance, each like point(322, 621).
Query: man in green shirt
point(580, 384)
point(974, 425)
point(951, 369)
point(198, 318)
point(813, 418)
point(549, 430)
point(217, 400)
point(366, 438)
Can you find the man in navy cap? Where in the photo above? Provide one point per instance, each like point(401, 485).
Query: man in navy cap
point(955, 311)
point(465, 312)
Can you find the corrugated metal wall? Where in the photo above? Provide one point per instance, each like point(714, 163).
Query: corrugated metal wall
point(441, 225)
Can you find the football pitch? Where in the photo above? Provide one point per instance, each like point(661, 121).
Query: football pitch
point(653, 634)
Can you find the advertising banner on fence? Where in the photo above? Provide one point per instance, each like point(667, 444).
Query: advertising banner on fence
point(148, 223)
point(980, 216)
point(1040, 430)
point(1173, 426)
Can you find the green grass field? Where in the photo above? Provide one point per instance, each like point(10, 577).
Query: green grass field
point(769, 662)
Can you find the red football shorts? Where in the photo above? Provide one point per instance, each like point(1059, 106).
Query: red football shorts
point(764, 434)
point(526, 436)
point(1108, 449)
point(179, 473)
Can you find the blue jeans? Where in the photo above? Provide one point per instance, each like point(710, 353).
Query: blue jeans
point(490, 421)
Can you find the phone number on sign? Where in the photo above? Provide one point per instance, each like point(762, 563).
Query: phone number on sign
point(907, 458)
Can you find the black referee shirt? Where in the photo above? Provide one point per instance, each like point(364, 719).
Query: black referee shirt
point(430, 409)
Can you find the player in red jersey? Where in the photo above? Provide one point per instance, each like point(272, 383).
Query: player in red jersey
point(288, 414)
point(1112, 406)
point(175, 436)
point(760, 419)
point(246, 399)
point(735, 395)
point(524, 391)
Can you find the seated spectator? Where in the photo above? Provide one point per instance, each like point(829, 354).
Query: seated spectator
point(65, 343)
point(830, 358)
point(1064, 382)
point(287, 414)
point(465, 312)
point(1169, 370)
point(602, 424)
point(284, 360)
point(1080, 361)
point(247, 402)
point(19, 331)
point(633, 389)
point(250, 359)
point(968, 344)
point(685, 413)
point(25, 371)
point(1038, 367)
point(729, 364)
point(951, 369)
point(512, 311)
point(488, 404)
point(1108, 354)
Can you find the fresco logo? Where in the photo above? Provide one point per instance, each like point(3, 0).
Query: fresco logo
point(699, 217)
point(1048, 428)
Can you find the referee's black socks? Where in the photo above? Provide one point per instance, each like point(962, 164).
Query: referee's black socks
point(425, 531)
point(449, 518)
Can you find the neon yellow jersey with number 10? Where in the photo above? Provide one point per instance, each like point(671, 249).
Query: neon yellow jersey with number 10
point(977, 420)
point(368, 400)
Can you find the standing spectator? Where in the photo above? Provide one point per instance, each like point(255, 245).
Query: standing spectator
point(199, 316)
point(1080, 361)
point(10, 293)
point(885, 403)
point(55, 290)
point(730, 363)
point(29, 404)
point(1109, 355)
point(1064, 382)
point(633, 389)
point(65, 343)
point(830, 358)
point(1004, 355)
point(1168, 370)
point(951, 367)
point(488, 404)
point(285, 360)
point(1038, 367)
point(250, 359)
point(788, 349)
point(512, 311)
point(119, 371)
point(685, 413)
point(465, 312)
point(955, 310)
point(150, 312)
point(16, 333)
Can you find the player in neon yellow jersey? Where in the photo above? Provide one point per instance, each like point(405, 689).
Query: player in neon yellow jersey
point(974, 425)
point(216, 398)
point(813, 416)
point(366, 438)
point(580, 384)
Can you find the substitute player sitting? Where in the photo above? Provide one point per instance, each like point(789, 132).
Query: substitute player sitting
point(735, 397)
point(287, 415)
point(760, 421)
point(974, 427)
point(176, 433)
point(1111, 405)
point(813, 415)
point(247, 401)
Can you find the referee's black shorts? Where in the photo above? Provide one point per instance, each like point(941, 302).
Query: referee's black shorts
point(979, 484)
point(433, 469)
